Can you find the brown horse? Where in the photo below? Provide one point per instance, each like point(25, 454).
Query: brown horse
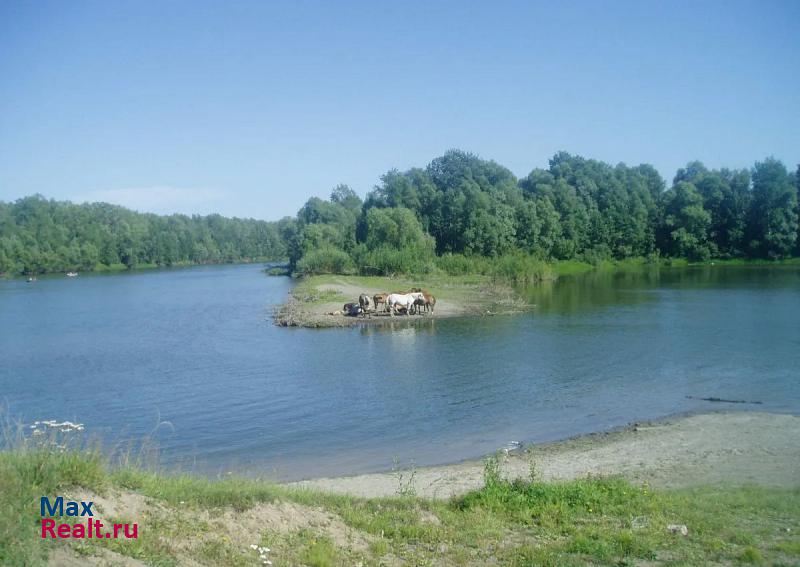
point(380, 299)
point(429, 301)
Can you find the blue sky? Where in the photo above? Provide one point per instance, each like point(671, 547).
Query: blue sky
point(249, 108)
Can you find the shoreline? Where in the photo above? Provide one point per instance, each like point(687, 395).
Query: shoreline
point(739, 486)
point(316, 302)
point(722, 447)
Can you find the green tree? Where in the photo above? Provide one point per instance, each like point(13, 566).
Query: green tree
point(40, 235)
point(346, 197)
point(726, 197)
point(773, 214)
point(686, 223)
point(797, 184)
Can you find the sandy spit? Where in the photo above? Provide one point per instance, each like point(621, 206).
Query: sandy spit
point(731, 448)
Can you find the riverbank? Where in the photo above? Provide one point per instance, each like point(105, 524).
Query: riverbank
point(141, 267)
point(684, 504)
point(724, 448)
point(317, 300)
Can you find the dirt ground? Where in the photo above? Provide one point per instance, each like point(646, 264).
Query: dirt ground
point(712, 448)
point(453, 300)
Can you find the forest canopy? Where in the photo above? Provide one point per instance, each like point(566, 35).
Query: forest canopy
point(39, 235)
point(462, 206)
point(457, 210)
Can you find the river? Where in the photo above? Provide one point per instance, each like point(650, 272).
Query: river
point(191, 357)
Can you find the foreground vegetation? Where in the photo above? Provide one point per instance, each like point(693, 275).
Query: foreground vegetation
point(459, 214)
point(598, 521)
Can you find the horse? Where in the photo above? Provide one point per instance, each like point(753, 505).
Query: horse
point(406, 300)
point(430, 301)
point(426, 302)
point(380, 299)
point(363, 302)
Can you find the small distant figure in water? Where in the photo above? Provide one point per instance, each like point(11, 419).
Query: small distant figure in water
point(31, 279)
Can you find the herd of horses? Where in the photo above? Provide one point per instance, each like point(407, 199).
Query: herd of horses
point(413, 301)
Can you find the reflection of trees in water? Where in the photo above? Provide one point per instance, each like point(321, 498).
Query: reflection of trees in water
point(593, 290)
point(605, 288)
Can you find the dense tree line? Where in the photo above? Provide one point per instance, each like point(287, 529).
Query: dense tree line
point(39, 235)
point(577, 208)
point(449, 215)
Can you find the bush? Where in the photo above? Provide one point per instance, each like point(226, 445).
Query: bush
point(521, 269)
point(597, 255)
point(386, 260)
point(516, 267)
point(326, 260)
point(460, 265)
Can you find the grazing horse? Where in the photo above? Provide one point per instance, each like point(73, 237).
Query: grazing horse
point(363, 302)
point(405, 300)
point(380, 298)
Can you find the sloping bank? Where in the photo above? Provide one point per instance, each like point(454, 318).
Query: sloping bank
point(723, 491)
point(689, 450)
point(316, 301)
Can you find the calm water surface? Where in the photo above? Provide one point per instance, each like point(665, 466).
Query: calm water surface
point(196, 347)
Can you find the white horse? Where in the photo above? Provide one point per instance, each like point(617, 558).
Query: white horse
point(406, 300)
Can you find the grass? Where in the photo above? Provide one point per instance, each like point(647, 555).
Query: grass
point(477, 286)
point(442, 286)
point(595, 521)
point(747, 262)
point(470, 294)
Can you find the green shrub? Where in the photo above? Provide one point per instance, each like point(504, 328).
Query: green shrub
point(521, 268)
point(460, 265)
point(326, 260)
point(387, 261)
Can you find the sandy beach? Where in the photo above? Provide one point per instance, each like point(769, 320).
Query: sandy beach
point(723, 447)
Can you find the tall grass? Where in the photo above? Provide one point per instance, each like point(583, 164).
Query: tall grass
point(326, 260)
point(516, 268)
point(32, 466)
point(389, 261)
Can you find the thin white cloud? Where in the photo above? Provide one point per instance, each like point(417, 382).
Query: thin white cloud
point(161, 199)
